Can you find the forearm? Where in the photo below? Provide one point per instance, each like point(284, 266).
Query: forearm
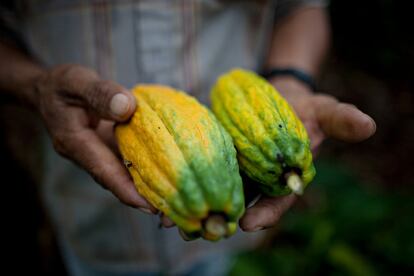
point(301, 41)
point(18, 73)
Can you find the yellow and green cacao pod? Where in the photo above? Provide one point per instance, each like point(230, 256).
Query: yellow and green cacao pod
point(183, 162)
point(273, 148)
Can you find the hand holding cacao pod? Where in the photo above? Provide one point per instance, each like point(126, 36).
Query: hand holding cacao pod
point(273, 147)
point(183, 162)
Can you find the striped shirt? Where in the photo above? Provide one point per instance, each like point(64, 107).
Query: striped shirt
point(182, 43)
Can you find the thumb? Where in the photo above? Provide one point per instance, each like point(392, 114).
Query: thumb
point(106, 99)
point(343, 121)
point(110, 100)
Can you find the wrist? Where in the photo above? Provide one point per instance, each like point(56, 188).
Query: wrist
point(23, 84)
point(18, 74)
point(30, 88)
point(294, 72)
point(290, 87)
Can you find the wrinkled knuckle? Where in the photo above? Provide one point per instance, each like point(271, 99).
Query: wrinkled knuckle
point(71, 72)
point(100, 88)
point(100, 94)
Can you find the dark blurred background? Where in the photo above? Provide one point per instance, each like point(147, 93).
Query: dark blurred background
point(356, 218)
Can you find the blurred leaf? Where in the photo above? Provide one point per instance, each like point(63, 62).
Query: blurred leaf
point(346, 229)
point(345, 257)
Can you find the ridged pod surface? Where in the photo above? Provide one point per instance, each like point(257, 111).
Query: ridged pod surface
point(271, 141)
point(182, 161)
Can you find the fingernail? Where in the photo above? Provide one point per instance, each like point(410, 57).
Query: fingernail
point(257, 228)
point(145, 210)
point(119, 105)
point(374, 125)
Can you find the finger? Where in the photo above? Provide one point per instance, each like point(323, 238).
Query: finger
point(166, 221)
point(105, 131)
point(106, 99)
point(110, 100)
point(266, 212)
point(315, 134)
point(85, 148)
point(343, 121)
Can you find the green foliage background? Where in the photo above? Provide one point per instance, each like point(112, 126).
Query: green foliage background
point(350, 228)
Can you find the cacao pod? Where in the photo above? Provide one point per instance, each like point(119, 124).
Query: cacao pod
point(273, 148)
point(183, 162)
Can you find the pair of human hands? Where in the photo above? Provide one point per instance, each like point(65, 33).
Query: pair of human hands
point(79, 110)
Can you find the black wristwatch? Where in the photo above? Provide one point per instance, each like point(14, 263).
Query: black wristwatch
point(290, 71)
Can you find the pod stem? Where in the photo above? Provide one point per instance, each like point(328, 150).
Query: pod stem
point(295, 183)
point(216, 225)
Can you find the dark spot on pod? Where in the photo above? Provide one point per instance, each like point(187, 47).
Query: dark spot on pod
point(280, 126)
point(159, 127)
point(127, 163)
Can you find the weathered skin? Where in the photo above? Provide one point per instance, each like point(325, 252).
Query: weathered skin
point(181, 159)
point(269, 138)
